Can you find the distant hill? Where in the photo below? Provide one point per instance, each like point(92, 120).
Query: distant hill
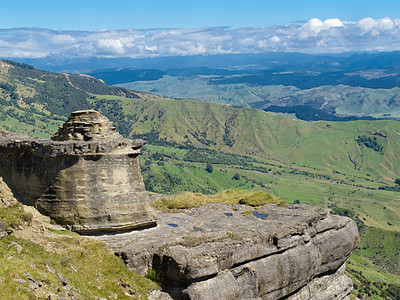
point(41, 99)
point(359, 85)
point(308, 79)
point(347, 62)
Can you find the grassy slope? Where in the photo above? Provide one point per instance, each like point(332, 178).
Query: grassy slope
point(37, 102)
point(321, 145)
point(375, 266)
point(34, 255)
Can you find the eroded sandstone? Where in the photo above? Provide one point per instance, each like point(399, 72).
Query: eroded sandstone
point(86, 178)
point(235, 252)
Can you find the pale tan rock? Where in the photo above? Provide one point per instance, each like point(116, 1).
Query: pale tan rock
point(6, 196)
point(86, 178)
point(86, 125)
point(221, 252)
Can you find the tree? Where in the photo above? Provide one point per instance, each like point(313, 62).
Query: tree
point(397, 181)
point(209, 168)
point(236, 176)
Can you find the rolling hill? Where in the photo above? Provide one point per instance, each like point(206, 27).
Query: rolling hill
point(350, 167)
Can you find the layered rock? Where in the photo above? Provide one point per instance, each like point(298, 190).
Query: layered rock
point(86, 178)
point(236, 252)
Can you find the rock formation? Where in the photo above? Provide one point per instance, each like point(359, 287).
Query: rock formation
point(235, 252)
point(86, 178)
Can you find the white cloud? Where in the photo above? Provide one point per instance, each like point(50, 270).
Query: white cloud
point(63, 39)
point(374, 27)
point(110, 46)
point(331, 35)
point(274, 39)
point(313, 27)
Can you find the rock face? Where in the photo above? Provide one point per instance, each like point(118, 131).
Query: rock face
point(86, 178)
point(235, 252)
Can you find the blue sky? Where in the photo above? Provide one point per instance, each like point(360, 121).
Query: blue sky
point(130, 28)
point(144, 14)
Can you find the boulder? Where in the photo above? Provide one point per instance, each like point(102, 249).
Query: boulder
point(86, 178)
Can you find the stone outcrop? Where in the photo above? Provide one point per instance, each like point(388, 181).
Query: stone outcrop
point(86, 178)
point(235, 252)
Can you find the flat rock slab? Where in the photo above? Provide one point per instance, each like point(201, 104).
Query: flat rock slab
point(268, 252)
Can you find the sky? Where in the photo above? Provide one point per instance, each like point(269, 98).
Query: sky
point(145, 14)
point(131, 28)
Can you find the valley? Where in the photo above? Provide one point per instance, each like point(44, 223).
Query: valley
point(350, 167)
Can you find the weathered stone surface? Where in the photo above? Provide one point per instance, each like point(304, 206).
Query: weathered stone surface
point(3, 230)
point(331, 286)
point(6, 196)
point(159, 295)
point(87, 178)
point(86, 125)
point(223, 252)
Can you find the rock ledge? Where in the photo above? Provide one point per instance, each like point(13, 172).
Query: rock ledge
point(224, 252)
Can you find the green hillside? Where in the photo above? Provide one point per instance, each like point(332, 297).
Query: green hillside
point(36, 102)
point(330, 146)
point(350, 167)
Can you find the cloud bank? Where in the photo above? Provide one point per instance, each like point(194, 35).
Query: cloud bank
point(314, 36)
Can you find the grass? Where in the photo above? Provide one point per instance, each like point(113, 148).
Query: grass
point(382, 248)
point(292, 182)
point(370, 282)
point(231, 196)
point(89, 267)
point(14, 216)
